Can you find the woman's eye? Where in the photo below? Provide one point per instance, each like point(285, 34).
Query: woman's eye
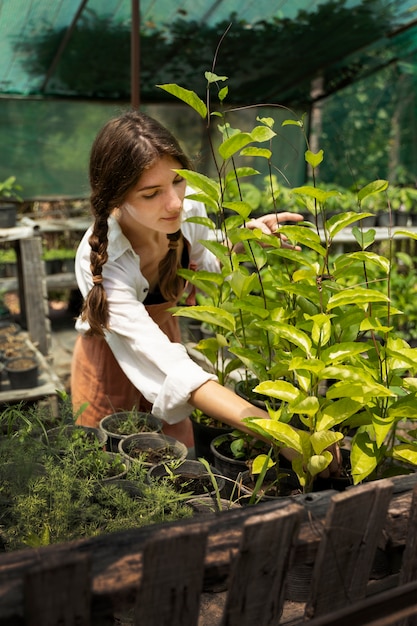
point(150, 195)
point(179, 180)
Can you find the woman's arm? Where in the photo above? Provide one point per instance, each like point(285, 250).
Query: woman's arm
point(226, 406)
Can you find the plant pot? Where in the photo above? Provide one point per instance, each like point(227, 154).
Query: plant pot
point(152, 448)
point(118, 426)
point(189, 476)
point(58, 437)
point(207, 505)
point(204, 433)
point(224, 461)
point(288, 485)
point(8, 215)
point(23, 372)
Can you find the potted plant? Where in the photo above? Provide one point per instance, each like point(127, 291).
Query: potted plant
point(188, 476)
point(328, 326)
point(120, 424)
point(9, 198)
point(152, 448)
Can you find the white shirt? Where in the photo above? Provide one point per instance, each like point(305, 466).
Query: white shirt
point(160, 369)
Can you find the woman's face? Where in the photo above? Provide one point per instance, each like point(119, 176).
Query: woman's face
point(155, 203)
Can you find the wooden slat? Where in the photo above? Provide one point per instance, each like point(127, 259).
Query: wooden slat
point(33, 296)
point(383, 609)
point(408, 571)
point(256, 586)
point(345, 556)
point(172, 579)
point(58, 592)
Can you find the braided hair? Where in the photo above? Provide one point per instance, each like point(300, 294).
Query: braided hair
point(124, 148)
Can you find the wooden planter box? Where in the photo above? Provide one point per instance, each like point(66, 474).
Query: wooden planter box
point(168, 574)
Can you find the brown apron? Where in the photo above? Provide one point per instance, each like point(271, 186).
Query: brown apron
point(97, 379)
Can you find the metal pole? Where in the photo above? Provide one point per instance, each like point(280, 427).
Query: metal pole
point(135, 56)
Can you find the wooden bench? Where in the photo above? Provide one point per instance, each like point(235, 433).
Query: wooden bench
point(230, 568)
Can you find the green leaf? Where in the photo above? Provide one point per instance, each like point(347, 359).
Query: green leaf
point(375, 187)
point(314, 192)
point(233, 144)
point(283, 434)
point(215, 316)
point(337, 412)
point(259, 463)
point(213, 78)
point(204, 183)
point(256, 152)
point(187, 96)
point(242, 208)
point(322, 439)
point(364, 457)
point(343, 221)
point(280, 389)
point(305, 237)
point(290, 333)
point(314, 158)
point(357, 295)
point(406, 453)
point(318, 462)
point(223, 93)
point(262, 133)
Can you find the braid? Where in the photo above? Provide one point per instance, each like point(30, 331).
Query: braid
point(170, 283)
point(95, 309)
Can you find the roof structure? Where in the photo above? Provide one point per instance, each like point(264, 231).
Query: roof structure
point(66, 66)
point(272, 49)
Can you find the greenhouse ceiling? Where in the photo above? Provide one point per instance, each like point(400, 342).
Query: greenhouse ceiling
point(288, 51)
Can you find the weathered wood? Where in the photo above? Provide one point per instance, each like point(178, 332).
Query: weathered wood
point(381, 610)
point(117, 558)
point(33, 293)
point(57, 592)
point(408, 571)
point(351, 532)
point(170, 589)
point(260, 567)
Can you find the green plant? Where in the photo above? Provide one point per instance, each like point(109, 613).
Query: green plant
point(301, 321)
point(10, 189)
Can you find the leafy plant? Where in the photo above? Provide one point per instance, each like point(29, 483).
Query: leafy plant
point(304, 321)
point(10, 189)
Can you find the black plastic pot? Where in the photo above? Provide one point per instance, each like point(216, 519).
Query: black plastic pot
point(152, 449)
point(189, 476)
point(23, 372)
point(110, 426)
point(204, 433)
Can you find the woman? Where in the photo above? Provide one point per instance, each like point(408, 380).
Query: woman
point(128, 353)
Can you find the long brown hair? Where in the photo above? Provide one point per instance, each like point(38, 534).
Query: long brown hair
point(124, 148)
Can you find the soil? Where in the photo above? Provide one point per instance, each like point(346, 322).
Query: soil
point(20, 364)
point(151, 455)
point(198, 485)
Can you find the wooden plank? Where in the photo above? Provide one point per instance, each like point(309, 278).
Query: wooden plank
point(345, 556)
point(257, 582)
point(381, 610)
point(408, 572)
point(172, 579)
point(117, 558)
point(57, 592)
point(34, 297)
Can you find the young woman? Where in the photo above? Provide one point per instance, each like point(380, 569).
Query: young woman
point(129, 353)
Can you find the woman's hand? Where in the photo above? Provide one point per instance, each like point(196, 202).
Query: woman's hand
point(269, 225)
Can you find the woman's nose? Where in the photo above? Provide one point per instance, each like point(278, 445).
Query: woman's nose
point(175, 200)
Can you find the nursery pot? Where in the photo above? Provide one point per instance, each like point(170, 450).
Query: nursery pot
point(55, 437)
point(272, 488)
point(152, 448)
point(8, 215)
point(23, 372)
point(204, 433)
point(227, 466)
point(120, 475)
point(189, 476)
point(116, 428)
